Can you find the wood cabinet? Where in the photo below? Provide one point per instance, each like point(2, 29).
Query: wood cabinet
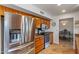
point(51, 37)
point(39, 43)
point(39, 39)
point(38, 23)
point(77, 44)
point(46, 22)
point(1, 11)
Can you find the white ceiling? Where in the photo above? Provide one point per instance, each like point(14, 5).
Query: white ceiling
point(54, 9)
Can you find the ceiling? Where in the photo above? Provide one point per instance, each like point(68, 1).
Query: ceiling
point(55, 10)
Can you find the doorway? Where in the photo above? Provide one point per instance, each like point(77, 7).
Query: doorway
point(66, 33)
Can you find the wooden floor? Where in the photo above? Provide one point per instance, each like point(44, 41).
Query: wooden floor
point(64, 48)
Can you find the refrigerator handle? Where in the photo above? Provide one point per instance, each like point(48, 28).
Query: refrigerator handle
point(22, 30)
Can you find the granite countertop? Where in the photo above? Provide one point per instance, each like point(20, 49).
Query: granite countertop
point(36, 36)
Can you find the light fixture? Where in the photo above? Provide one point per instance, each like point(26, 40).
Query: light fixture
point(63, 10)
point(58, 4)
point(64, 22)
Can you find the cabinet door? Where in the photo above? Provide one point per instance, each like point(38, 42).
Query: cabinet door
point(51, 37)
point(1, 10)
point(38, 23)
point(47, 22)
point(39, 44)
point(38, 49)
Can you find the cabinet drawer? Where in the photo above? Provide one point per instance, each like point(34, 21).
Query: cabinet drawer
point(40, 42)
point(38, 22)
point(37, 39)
point(39, 48)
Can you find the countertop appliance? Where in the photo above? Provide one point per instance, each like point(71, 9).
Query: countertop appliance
point(41, 30)
point(18, 30)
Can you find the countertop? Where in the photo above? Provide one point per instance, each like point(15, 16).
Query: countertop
point(36, 36)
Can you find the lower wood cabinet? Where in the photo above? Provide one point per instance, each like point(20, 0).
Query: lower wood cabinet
point(77, 44)
point(38, 49)
point(51, 37)
point(39, 44)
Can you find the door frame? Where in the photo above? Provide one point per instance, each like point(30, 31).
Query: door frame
point(73, 29)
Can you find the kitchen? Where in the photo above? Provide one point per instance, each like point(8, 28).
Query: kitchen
point(23, 33)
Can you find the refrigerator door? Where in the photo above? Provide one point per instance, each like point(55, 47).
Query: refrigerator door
point(22, 40)
point(26, 29)
point(29, 29)
point(31, 34)
point(13, 30)
point(18, 30)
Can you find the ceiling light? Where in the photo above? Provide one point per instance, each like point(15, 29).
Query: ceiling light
point(64, 22)
point(58, 4)
point(63, 11)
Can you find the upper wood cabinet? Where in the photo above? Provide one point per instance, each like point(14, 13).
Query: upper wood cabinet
point(46, 22)
point(1, 10)
point(38, 22)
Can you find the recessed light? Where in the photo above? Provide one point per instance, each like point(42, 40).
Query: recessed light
point(64, 11)
point(58, 4)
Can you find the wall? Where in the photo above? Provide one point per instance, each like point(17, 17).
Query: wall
point(55, 30)
point(56, 19)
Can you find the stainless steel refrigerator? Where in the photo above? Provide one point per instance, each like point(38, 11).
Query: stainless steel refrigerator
point(18, 33)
